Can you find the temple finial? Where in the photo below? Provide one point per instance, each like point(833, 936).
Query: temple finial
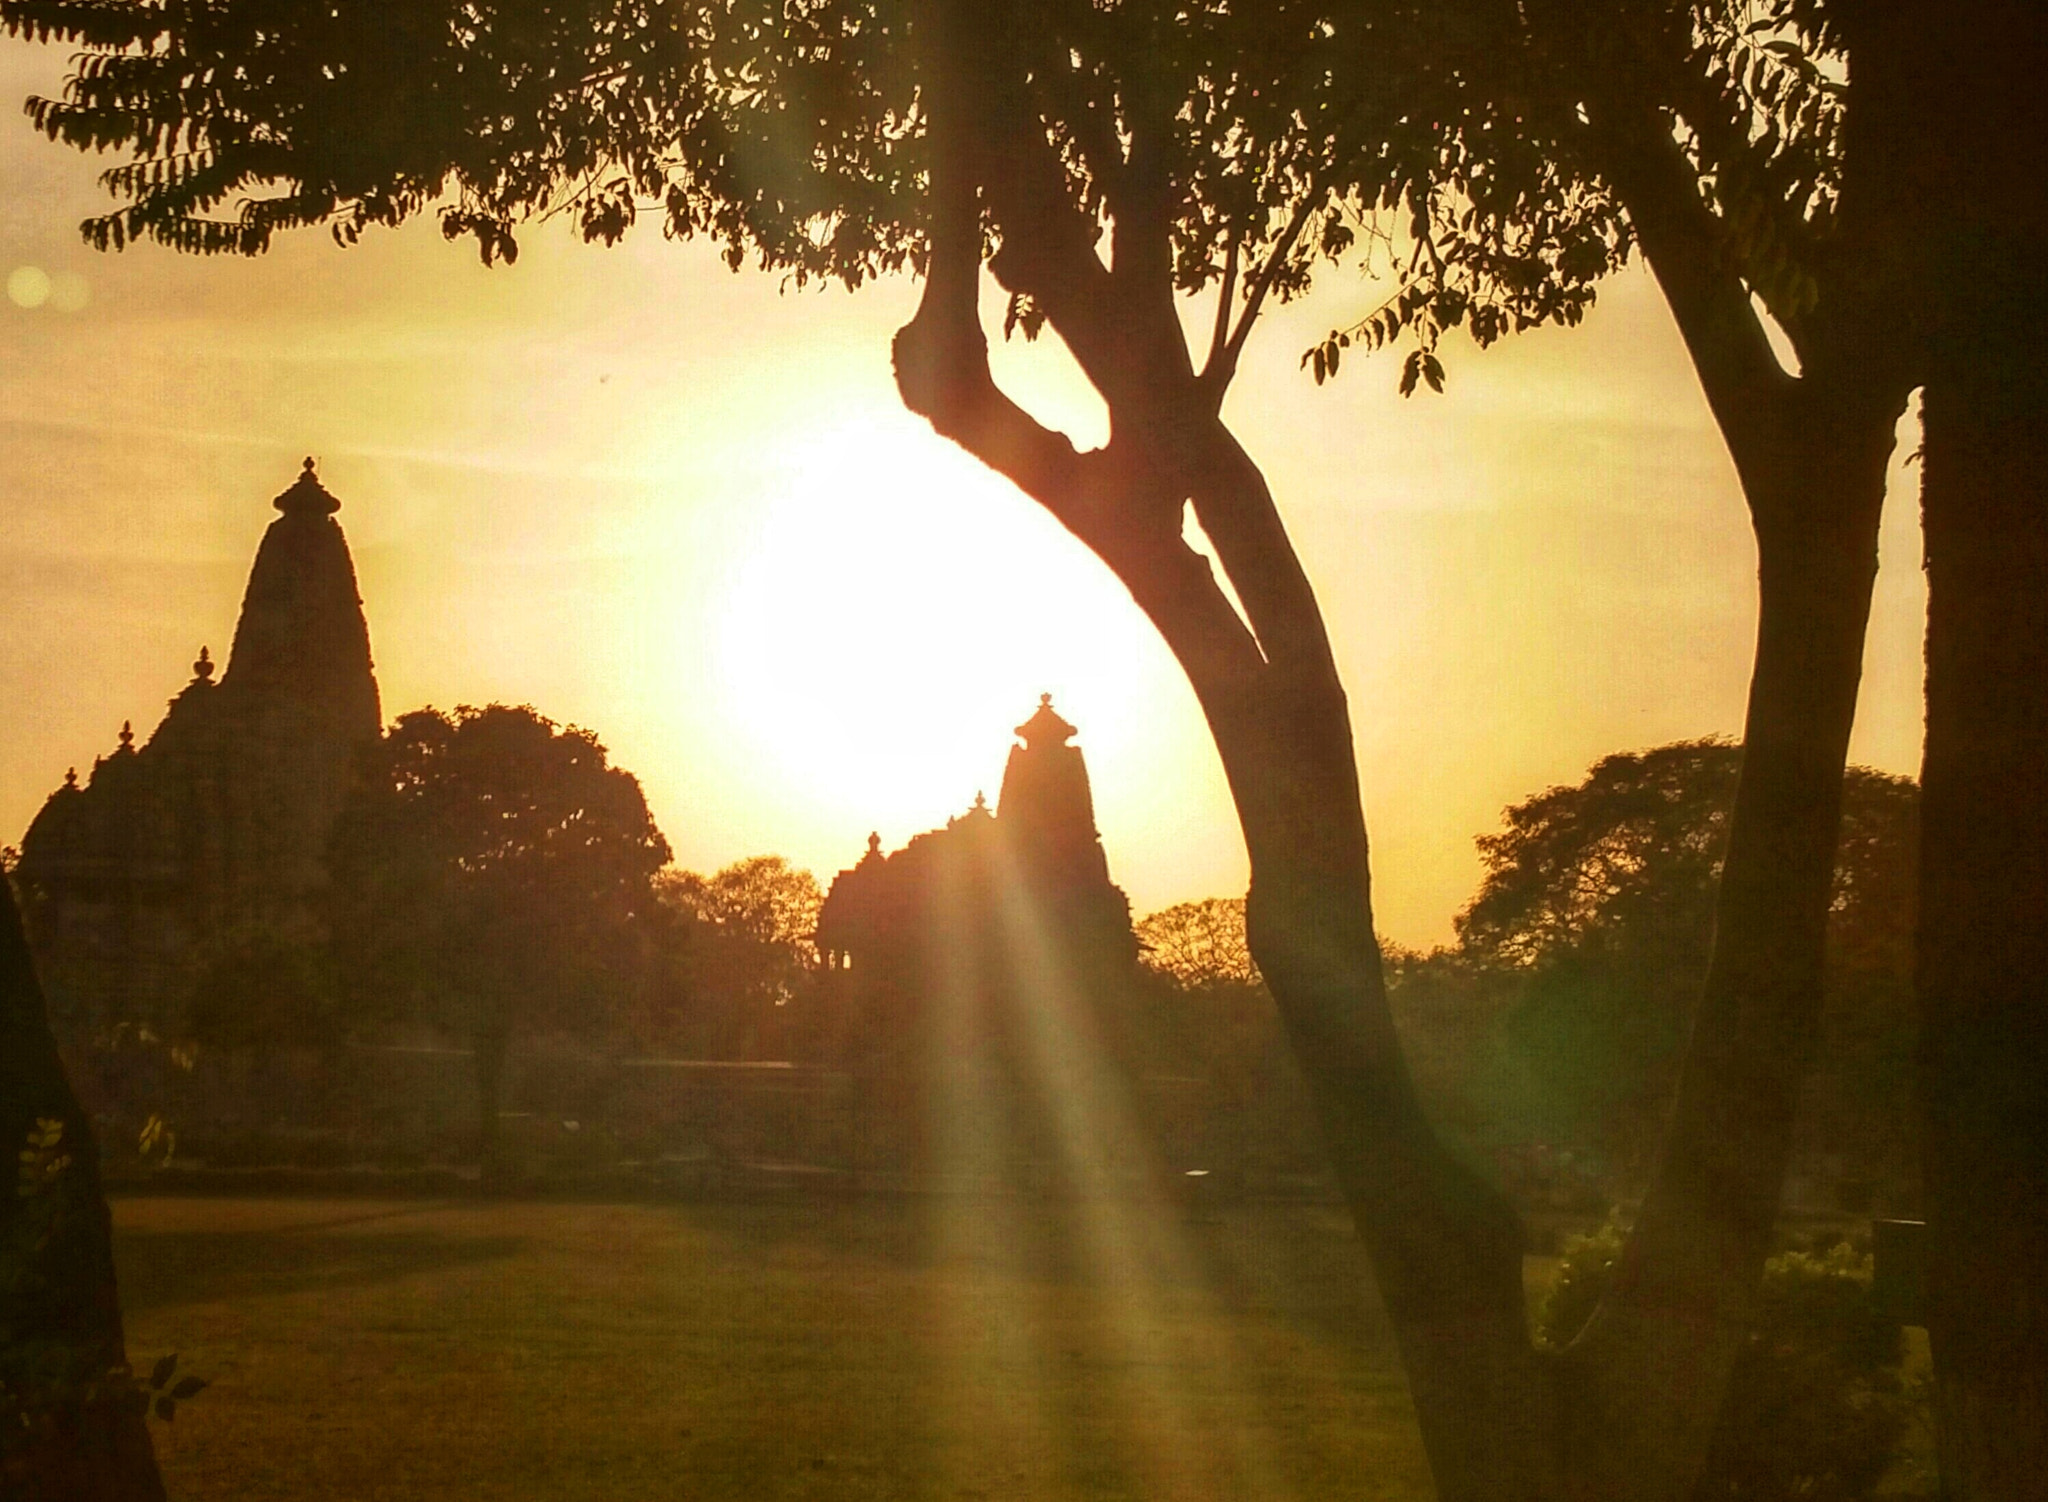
point(307, 496)
point(980, 801)
point(1045, 726)
point(71, 778)
point(875, 842)
point(202, 670)
point(127, 735)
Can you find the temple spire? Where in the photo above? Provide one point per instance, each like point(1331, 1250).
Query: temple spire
point(307, 496)
point(301, 639)
point(1045, 727)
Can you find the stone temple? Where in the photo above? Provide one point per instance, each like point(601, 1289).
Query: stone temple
point(988, 964)
point(214, 829)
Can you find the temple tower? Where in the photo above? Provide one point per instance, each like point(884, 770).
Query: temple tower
point(1045, 808)
point(216, 827)
point(301, 640)
point(301, 693)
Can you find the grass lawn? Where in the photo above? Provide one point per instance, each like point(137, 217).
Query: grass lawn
point(951, 1348)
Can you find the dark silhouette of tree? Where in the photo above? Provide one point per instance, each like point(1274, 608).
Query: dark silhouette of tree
point(489, 870)
point(1598, 901)
point(1767, 156)
point(75, 1432)
point(750, 958)
point(1205, 148)
point(1199, 943)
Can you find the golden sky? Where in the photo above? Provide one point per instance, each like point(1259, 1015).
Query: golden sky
point(685, 509)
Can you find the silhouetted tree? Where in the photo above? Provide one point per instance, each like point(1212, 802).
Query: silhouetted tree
point(1199, 943)
point(750, 955)
point(1598, 900)
point(1767, 156)
point(1202, 144)
point(488, 872)
point(262, 991)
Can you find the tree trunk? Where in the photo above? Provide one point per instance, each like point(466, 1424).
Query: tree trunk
point(1983, 944)
point(57, 1283)
point(1652, 1367)
point(1627, 1414)
point(1446, 1249)
point(1974, 158)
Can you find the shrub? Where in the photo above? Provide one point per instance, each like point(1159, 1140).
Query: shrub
point(1816, 1406)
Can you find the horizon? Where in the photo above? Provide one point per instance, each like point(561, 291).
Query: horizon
point(685, 509)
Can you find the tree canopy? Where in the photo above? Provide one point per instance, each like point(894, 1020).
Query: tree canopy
point(489, 872)
point(796, 136)
point(1199, 943)
point(1626, 861)
point(747, 952)
point(1597, 907)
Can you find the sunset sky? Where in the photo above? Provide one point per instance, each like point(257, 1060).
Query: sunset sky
point(685, 508)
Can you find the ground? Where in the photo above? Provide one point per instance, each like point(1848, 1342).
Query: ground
point(899, 1348)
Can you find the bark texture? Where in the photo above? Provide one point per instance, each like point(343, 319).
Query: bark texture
point(1973, 156)
point(1983, 948)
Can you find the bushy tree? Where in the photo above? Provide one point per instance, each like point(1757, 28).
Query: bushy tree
point(1598, 902)
point(748, 956)
point(1819, 1405)
point(1199, 943)
point(261, 991)
point(490, 874)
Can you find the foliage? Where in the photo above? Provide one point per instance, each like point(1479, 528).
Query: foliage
point(746, 941)
point(263, 990)
point(1598, 903)
point(488, 871)
point(794, 135)
point(1816, 1406)
point(45, 1381)
point(1201, 1010)
point(1199, 943)
point(1753, 94)
point(762, 901)
point(1625, 861)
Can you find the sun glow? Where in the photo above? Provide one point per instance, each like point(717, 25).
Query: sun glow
point(894, 608)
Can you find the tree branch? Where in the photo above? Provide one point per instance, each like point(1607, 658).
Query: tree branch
point(1219, 335)
point(1221, 365)
point(1681, 239)
point(1112, 499)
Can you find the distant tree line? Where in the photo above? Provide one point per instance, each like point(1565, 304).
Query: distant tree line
point(1547, 1037)
point(496, 881)
point(493, 881)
